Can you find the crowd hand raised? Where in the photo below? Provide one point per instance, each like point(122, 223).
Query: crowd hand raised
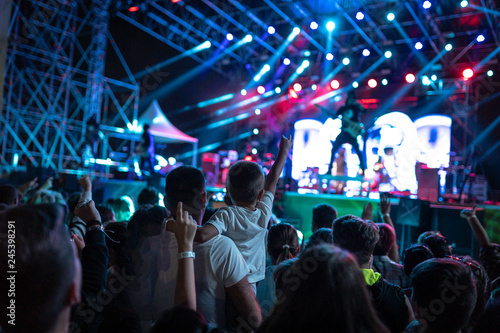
point(85, 183)
point(468, 213)
point(184, 229)
point(87, 212)
point(385, 204)
point(286, 143)
point(367, 213)
point(28, 186)
point(48, 184)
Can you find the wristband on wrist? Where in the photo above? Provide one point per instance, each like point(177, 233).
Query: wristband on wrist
point(96, 227)
point(386, 214)
point(187, 254)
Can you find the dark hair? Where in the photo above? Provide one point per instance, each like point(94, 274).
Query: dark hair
point(444, 291)
point(414, 255)
point(116, 241)
point(282, 242)
point(355, 235)
point(148, 196)
point(387, 237)
point(121, 209)
point(244, 182)
point(106, 212)
point(320, 236)
point(325, 273)
point(323, 216)
point(180, 319)
point(45, 265)
point(8, 194)
point(184, 184)
point(438, 245)
point(147, 221)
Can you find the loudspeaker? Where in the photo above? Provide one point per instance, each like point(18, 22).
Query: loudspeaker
point(457, 230)
point(413, 212)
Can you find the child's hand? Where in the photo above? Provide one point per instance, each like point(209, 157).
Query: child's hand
point(286, 144)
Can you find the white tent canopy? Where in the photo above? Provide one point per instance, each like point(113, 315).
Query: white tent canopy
point(162, 129)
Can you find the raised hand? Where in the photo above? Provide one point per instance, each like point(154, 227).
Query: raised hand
point(468, 213)
point(184, 229)
point(286, 143)
point(85, 183)
point(87, 212)
point(385, 205)
point(367, 213)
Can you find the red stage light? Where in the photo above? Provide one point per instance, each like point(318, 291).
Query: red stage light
point(133, 9)
point(261, 89)
point(297, 87)
point(176, 1)
point(293, 93)
point(468, 73)
point(410, 78)
point(372, 83)
point(248, 158)
point(335, 84)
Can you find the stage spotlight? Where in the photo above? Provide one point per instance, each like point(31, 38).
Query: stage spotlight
point(388, 54)
point(206, 45)
point(360, 16)
point(410, 78)
point(133, 9)
point(296, 31)
point(297, 87)
point(464, 3)
point(305, 64)
point(418, 46)
point(243, 92)
point(366, 52)
point(254, 151)
point(229, 36)
point(448, 47)
point(355, 84)
point(480, 38)
point(176, 1)
point(257, 112)
point(427, 4)
point(293, 94)
point(372, 83)
point(277, 90)
point(329, 56)
point(313, 25)
point(286, 61)
point(248, 38)
point(330, 26)
point(434, 77)
point(172, 160)
point(255, 131)
point(391, 16)
point(467, 73)
point(261, 89)
point(300, 70)
point(271, 30)
point(335, 84)
point(425, 80)
point(346, 61)
point(307, 53)
point(314, 87)
point(384, 82)
point(489, 73)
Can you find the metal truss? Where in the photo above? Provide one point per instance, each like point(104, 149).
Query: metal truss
point(54, 83)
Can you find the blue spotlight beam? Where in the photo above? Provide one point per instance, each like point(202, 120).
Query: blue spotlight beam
point(409, 41)
point(335, 71)
point(462, 52)
point(485, 60)
point(421, 26)
point(370, 69)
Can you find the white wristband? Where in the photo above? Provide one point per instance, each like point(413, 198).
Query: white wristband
point(188, 254)
point(386, 214)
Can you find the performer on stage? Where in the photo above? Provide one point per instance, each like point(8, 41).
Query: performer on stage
point(146, 150)
point(351, 128)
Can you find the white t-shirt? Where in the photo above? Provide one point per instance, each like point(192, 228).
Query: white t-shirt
point(247, 228)
point(218, 265)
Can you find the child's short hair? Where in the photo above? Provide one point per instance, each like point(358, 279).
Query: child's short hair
point(244, 182)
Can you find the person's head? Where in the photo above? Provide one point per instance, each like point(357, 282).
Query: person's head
point(148, 196)
point(444, 294)
point(357, 236)
point(145, 127)
point(427, 233)
point(8, 195)
point(414, 255)
point(106, 212)
point(282, 242)
point(331, 274)
point(245, 182)
point(148, 221)
point(46, 197)
point(48, 278)
point(121, 208)
point(323, 216)
point(320, 236)
point(438, 245)
point(351, 97)
point(387, 237)
point(187, 185)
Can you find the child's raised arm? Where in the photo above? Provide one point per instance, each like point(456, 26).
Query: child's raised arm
point(205, 233)
point(274, 174)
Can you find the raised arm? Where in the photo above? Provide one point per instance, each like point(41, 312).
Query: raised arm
point(86, 185)
point(274, 174)
point(477, 229)
point(385, 209)
point(184, 229)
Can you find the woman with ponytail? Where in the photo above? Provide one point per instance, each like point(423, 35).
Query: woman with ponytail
point(282, 245)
